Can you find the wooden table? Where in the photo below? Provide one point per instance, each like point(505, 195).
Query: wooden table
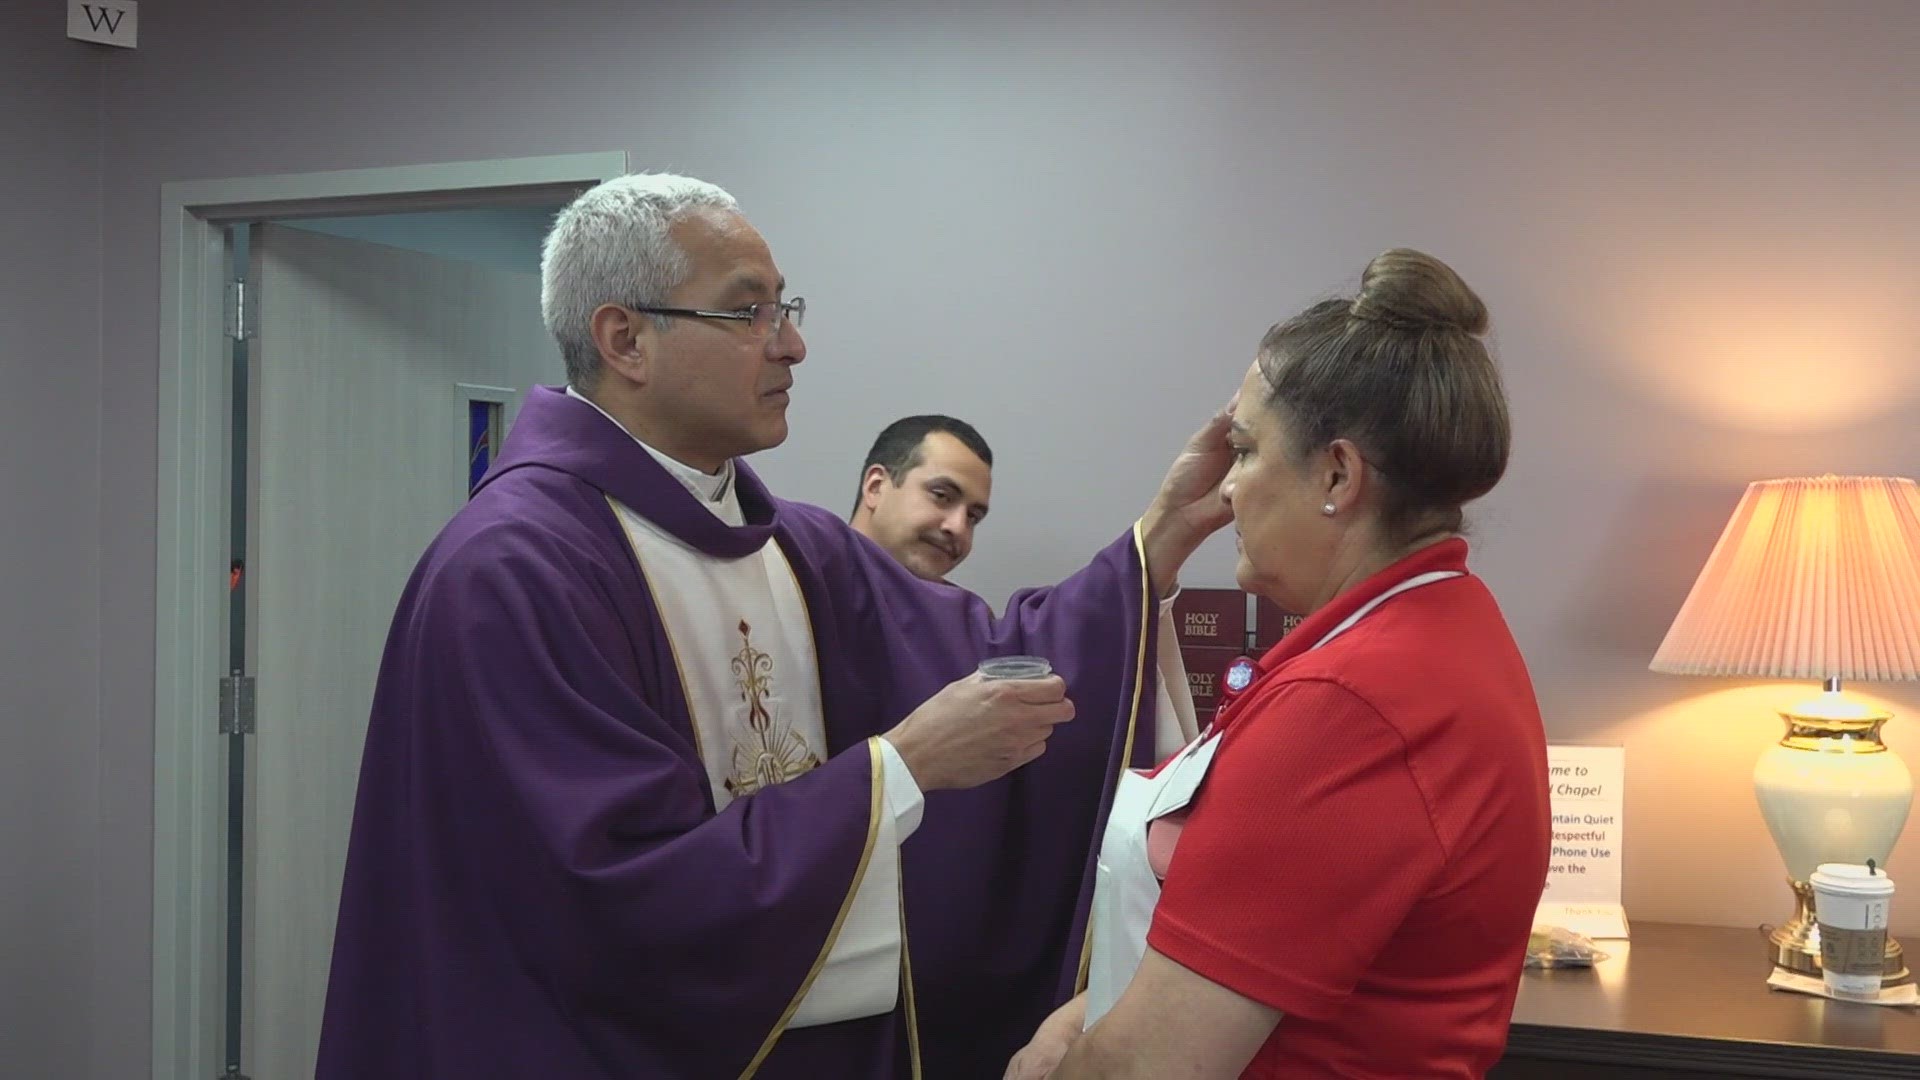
point(1691, 1003)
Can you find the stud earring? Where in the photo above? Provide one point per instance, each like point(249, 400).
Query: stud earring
point(1328, 509)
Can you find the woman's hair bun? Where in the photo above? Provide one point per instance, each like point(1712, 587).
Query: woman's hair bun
point(1411, 290)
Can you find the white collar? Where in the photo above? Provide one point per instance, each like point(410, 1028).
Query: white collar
point(707, 487)
point(1428, 578)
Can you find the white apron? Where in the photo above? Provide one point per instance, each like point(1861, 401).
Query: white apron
point(1125, 889)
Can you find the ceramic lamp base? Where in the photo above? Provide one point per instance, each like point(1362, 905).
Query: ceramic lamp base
point(1831, 792)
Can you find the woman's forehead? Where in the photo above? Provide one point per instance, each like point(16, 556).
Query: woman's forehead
point(1254, 413)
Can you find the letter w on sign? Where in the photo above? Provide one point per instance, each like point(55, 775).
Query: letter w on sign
point(113, 22)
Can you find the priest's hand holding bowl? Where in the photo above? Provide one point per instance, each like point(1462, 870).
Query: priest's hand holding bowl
point(978, 729)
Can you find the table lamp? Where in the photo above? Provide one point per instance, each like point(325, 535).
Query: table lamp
point(1816, 578)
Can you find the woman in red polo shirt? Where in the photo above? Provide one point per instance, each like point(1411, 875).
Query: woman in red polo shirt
point(1338, 878)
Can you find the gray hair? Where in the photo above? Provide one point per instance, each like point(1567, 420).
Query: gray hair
point(611, 246)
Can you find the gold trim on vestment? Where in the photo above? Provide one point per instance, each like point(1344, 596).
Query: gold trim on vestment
point(906, 982)
point(1133, 716)
point(906, 957)
point(876, 804)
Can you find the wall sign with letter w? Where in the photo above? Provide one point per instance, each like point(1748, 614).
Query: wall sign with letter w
point(108, 22)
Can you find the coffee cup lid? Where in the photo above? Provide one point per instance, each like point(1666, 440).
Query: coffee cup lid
point(1848, 879)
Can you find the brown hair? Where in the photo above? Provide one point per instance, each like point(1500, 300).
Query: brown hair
point(1401, 371)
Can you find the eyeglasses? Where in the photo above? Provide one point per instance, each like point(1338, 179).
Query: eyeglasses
point(761, 319)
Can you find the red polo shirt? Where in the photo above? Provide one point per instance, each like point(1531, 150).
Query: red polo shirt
point(1368, 849)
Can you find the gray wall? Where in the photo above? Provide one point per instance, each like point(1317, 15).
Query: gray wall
point(1694, 228)
point(53, 830)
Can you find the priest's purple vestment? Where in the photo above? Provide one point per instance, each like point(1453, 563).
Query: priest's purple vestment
point(537, 884)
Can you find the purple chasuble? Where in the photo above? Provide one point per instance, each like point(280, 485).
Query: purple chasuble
point(537, 884)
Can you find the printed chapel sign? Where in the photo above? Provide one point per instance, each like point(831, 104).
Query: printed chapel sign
point(1586, 784)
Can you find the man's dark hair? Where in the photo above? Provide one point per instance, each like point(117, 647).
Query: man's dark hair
point(898, 446)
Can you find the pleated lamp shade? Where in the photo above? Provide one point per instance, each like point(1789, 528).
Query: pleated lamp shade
point(1813, 578)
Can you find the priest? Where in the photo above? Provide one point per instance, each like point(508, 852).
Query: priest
point(667, 776)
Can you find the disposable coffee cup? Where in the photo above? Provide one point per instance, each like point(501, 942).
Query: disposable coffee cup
point(1850, 902)
point(1015, 667)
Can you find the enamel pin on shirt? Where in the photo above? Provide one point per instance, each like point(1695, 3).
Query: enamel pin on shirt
point(1239, 676)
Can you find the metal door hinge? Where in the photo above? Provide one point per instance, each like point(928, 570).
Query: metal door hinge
point(239, 327)
point(236, 705)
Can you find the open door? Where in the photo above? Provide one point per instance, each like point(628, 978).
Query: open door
point(381, 381)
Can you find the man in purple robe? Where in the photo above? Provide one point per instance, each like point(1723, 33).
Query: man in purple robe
point(668, 777)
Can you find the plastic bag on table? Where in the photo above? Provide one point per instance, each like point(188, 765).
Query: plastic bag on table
point(1558, 947)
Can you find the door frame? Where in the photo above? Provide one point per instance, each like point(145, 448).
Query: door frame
point(194, 516)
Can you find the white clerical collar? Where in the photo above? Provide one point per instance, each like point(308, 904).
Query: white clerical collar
point(708, 487)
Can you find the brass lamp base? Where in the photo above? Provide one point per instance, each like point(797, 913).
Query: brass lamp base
point(1795, 946)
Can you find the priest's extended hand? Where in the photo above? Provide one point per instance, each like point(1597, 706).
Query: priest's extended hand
point(977, 730)
point(1188, 507)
